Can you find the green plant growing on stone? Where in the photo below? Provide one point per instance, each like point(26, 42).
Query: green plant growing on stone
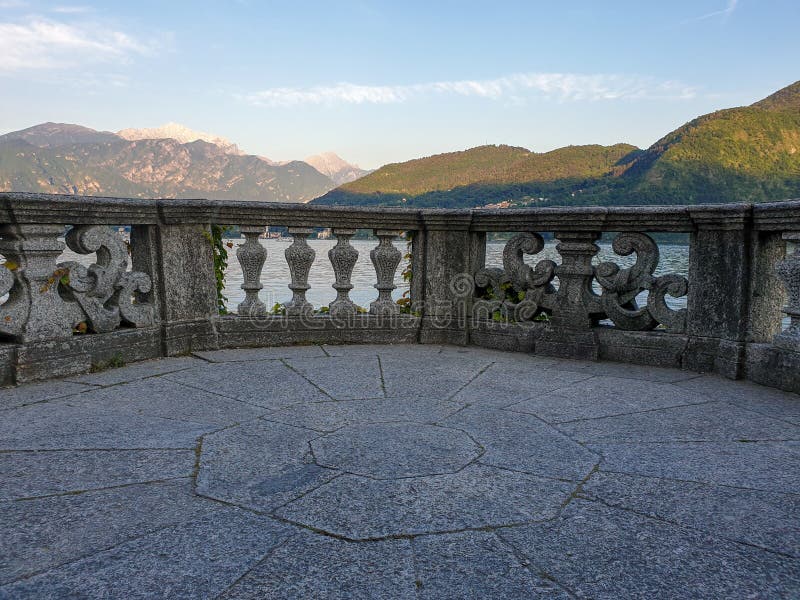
point(112, 363)
point(219, 250)
point(278, 309)
point(407, 274)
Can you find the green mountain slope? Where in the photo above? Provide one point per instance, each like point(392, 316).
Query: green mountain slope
point(742, 154)
point(60, 158)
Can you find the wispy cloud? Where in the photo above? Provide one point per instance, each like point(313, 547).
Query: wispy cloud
point(71, 10)
point(724, 13)
point(558, 86)
point(41, 43)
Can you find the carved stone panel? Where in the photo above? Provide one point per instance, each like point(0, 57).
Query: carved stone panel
point(103, 295)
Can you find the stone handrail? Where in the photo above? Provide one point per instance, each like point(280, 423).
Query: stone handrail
point(62, 317)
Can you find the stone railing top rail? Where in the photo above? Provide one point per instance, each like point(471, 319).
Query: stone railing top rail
point(17, 207)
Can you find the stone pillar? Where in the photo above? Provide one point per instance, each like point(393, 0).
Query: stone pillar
point(448, 277)
point(719, 289)
point(251, 255)
point(343, 258)
point(789, 271)
point(767, 292)
point(180, 263)
point(300, 257)
point(385, 258)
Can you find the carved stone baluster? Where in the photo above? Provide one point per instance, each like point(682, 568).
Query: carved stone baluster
point(300, 257)
point(789, 271)
point(576, 303)
point(34, 310)
point(385, 257)
point(343, 257)
point(251, 255)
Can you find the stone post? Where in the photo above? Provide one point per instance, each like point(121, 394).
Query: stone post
point(719, 289)
point(767, 292)
point(251, 255)
point(789, 271)
point(449, 267)
point(180, 263)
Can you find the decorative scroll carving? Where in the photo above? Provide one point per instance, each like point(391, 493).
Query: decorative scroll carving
point(251, 255)
point(789, 271)
point(621, 286)
point(300, 257)
point(343, 258)
point(385, 258)
point(34, 310)
point(102, 295)
point(520, 292)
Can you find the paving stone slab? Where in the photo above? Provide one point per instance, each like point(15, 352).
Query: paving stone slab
point(45, 472)
point(601, 552)
point(38, 535)
point(259, 465)
point(139, 370)
point(388, 350)
point(626, 371)
point(474, 564)
point(330, 416)
point(313, 566)
point(192, 560)
point(61, 425)
point(765, 519)
point(393, 450)
point(767, 401)
point(770, 466)
point(422, 376)
point(258, 354)
point(38, 392)
point(168, 399)
point(524, 443)
point(271, 384)
point(343, 378)
point(602, 396)
point(715, 421)
point(504, 384)
point(478, 496)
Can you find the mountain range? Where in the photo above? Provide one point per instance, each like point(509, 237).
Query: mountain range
point(171, 161)
point(745, 154)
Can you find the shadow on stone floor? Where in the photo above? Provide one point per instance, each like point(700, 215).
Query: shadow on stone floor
point(397, 471)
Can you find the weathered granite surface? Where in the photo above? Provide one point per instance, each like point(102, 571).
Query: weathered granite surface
point(401, 471)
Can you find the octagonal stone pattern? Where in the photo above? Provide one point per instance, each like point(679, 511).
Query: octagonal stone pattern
point(397, 472)
point(396, 450)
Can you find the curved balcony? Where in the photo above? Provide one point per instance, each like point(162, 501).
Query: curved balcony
point(552, 425)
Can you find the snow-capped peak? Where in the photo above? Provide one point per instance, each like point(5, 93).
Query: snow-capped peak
point(181, 133)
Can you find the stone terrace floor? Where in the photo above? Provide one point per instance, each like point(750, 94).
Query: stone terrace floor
point(397, 472)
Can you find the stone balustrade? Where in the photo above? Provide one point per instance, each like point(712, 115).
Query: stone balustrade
point(156, 294)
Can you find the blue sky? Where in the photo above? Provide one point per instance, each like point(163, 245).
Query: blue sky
point(381, 82)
